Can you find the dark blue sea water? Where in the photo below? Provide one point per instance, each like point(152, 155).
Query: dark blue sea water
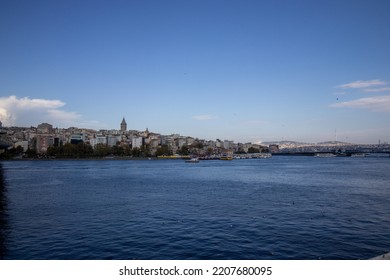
point(278, 208)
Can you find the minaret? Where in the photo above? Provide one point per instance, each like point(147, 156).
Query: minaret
point(123, 125)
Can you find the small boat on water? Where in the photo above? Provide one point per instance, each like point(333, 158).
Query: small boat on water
point(324, 155)
point(358, 155)
point(192, 160)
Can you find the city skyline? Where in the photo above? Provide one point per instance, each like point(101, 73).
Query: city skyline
point(247, 71)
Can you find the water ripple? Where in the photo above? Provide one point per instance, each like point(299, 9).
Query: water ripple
point(281, 208)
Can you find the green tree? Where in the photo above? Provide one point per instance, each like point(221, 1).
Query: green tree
point(264, 149)
point(136, 152)
point(240, 151)
point(253, 150)
point(184, 151)
point(101, 150)
point(145, 151)
point(31, 153)
point(79, 150)
point(84, 150)
point(197, 145)
point(126, 150)
point(117, 150)
point(164, 150)
point(69, 150)
point(54, 151)
point(13, 152)
point(209, 151)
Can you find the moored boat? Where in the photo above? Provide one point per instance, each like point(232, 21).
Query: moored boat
point(324, 155)
point(226, 158)
point(192, 160)
point(358, 155)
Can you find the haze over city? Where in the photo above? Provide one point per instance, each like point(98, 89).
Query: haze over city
point(247, 71)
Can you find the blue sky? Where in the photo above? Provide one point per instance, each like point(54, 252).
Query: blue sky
point(239, 70)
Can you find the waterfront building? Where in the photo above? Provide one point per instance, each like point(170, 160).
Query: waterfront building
point(77, 138)
point(181, 141)
point(113, 140)
point(218, 143)
point(43, 142)
point(136, 142)
point(23, 144)
point(170, 141)
point(227, 144)
point(154, 143)
point(190, 140)
point(98, 140)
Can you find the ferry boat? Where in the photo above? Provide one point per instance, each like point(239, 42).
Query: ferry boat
point(226, 158)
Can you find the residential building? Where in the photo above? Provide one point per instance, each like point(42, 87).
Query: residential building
point(45, 128)
point(98, 140)
point(227, 144)
point(181, 141)
point(77, 138)
point(113, 140)
point(23, 144)
point(43, 142)
point(136, 142)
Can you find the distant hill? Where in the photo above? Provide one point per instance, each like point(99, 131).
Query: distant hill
point(286, 142)
point(336, 143)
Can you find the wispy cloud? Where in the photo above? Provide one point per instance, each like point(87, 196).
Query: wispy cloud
point(382, 89)
point(374, 103)
point(27, 111)
point(362, 84)
point(204, 117)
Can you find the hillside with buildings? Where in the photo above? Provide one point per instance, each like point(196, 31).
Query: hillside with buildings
point(46, 141)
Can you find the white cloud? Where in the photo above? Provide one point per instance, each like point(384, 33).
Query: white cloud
point(63, 115)
point(363, 84)
point(204, 117)
point(375, 103)
point(26, 111)
point(383, 89)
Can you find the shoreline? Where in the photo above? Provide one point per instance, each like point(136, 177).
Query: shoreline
point(90, 158)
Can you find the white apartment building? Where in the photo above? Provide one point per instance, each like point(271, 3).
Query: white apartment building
point(23, 144)
point(77, 138)
point(227, 144)
point(181, 141)
point(190, 140)
point(136, 142)
point(112, 140)
point(98, 140)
